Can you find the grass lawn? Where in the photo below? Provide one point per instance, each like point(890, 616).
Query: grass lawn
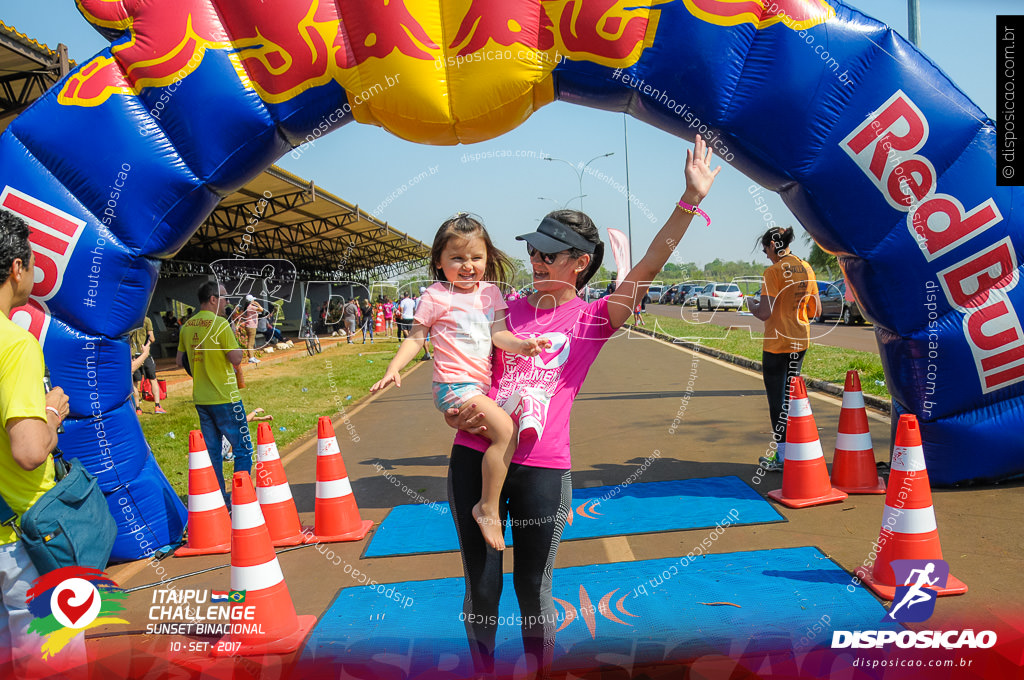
point(821, 361)
point(296, 391)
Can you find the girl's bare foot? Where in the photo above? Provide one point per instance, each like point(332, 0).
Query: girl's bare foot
point(490, 527)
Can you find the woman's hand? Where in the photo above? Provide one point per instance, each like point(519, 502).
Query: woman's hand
point(469, 419)
point(699, 175)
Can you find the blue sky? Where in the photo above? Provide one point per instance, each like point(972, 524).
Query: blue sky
point(364, 164)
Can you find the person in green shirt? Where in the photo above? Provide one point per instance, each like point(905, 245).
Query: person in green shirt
point(139, 338)
point(29, 417)
point(215, 358)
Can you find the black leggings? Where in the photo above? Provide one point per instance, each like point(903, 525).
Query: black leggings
point(536, 501)
point(777, 369)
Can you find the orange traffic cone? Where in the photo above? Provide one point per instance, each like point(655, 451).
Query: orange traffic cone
point(274, 493)
point(336, 513)
point(270, 625)
point(804, 473)
point(853, 464)
point(209, 526)
point(379, 322)
point(908, 530)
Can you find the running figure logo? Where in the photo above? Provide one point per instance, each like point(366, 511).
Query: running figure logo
point(915, 600)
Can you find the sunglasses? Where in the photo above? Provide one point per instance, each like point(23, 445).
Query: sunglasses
point(546, 258)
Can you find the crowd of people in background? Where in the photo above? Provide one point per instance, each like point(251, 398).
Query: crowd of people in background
point(254, 327)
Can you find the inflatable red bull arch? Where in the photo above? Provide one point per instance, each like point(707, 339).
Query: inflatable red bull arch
point(880, 156)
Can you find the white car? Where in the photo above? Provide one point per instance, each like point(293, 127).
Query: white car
point(720, 296)
point(655, 293)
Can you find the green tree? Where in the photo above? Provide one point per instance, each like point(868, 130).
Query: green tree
point(825, 264)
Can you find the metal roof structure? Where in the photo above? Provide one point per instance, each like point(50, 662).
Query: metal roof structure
point(27, 70)
point(288, 217)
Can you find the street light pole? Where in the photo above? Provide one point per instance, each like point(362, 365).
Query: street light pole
point(914, 22)
point(563, 205)
point(579, 172)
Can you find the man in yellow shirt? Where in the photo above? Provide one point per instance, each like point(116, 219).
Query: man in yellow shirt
point(214, 356)
point(29, 418)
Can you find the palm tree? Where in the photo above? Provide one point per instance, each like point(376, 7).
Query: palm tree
point(822, 261)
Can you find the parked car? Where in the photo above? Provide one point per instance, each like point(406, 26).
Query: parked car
point(693, 289)
point(691, 295)
point(654, 292)
point(672, 294)
point(680, 291)
point(720, 296)
point(835, 305)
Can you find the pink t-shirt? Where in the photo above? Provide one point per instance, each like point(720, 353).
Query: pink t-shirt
point(460, 330)
point(544, 386)
point(250, 316)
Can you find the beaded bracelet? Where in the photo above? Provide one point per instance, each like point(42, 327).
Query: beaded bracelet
point(693, 210)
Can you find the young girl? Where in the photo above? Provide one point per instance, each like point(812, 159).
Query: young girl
point(464, 313)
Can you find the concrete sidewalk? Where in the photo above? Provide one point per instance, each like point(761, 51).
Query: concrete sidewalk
point(635, 392)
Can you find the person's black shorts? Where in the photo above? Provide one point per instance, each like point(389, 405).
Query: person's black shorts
point(147, 370)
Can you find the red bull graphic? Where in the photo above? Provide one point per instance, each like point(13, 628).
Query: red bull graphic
point(168, 42)
point(798, 15)
point(491, 20)
point(885, 147)
point(53, 235)
point(608, 32)
point(283, 49)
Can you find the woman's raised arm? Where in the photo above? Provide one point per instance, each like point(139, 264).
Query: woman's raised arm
point(699, 178)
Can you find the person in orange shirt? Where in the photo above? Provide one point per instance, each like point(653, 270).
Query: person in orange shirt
point(788, 302)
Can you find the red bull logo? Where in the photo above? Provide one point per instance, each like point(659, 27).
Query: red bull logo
point(798, 15)
point(168, 41)
point(53, 235)
point(282, 48)
point(610, 32)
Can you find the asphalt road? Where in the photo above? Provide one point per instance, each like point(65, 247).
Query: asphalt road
point(832, 332)
point(636, 389)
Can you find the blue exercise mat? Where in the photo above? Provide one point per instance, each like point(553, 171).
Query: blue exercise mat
point(641, 612)
point(600, 511)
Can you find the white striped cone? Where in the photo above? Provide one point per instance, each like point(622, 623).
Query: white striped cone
point(804, 474)
point(273, 628)
point(209, 527)
point(274, 493)
point(909, 530)
point(853, 464)
point(336, 512)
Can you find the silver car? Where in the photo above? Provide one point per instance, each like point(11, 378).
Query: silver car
point(720, 296)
